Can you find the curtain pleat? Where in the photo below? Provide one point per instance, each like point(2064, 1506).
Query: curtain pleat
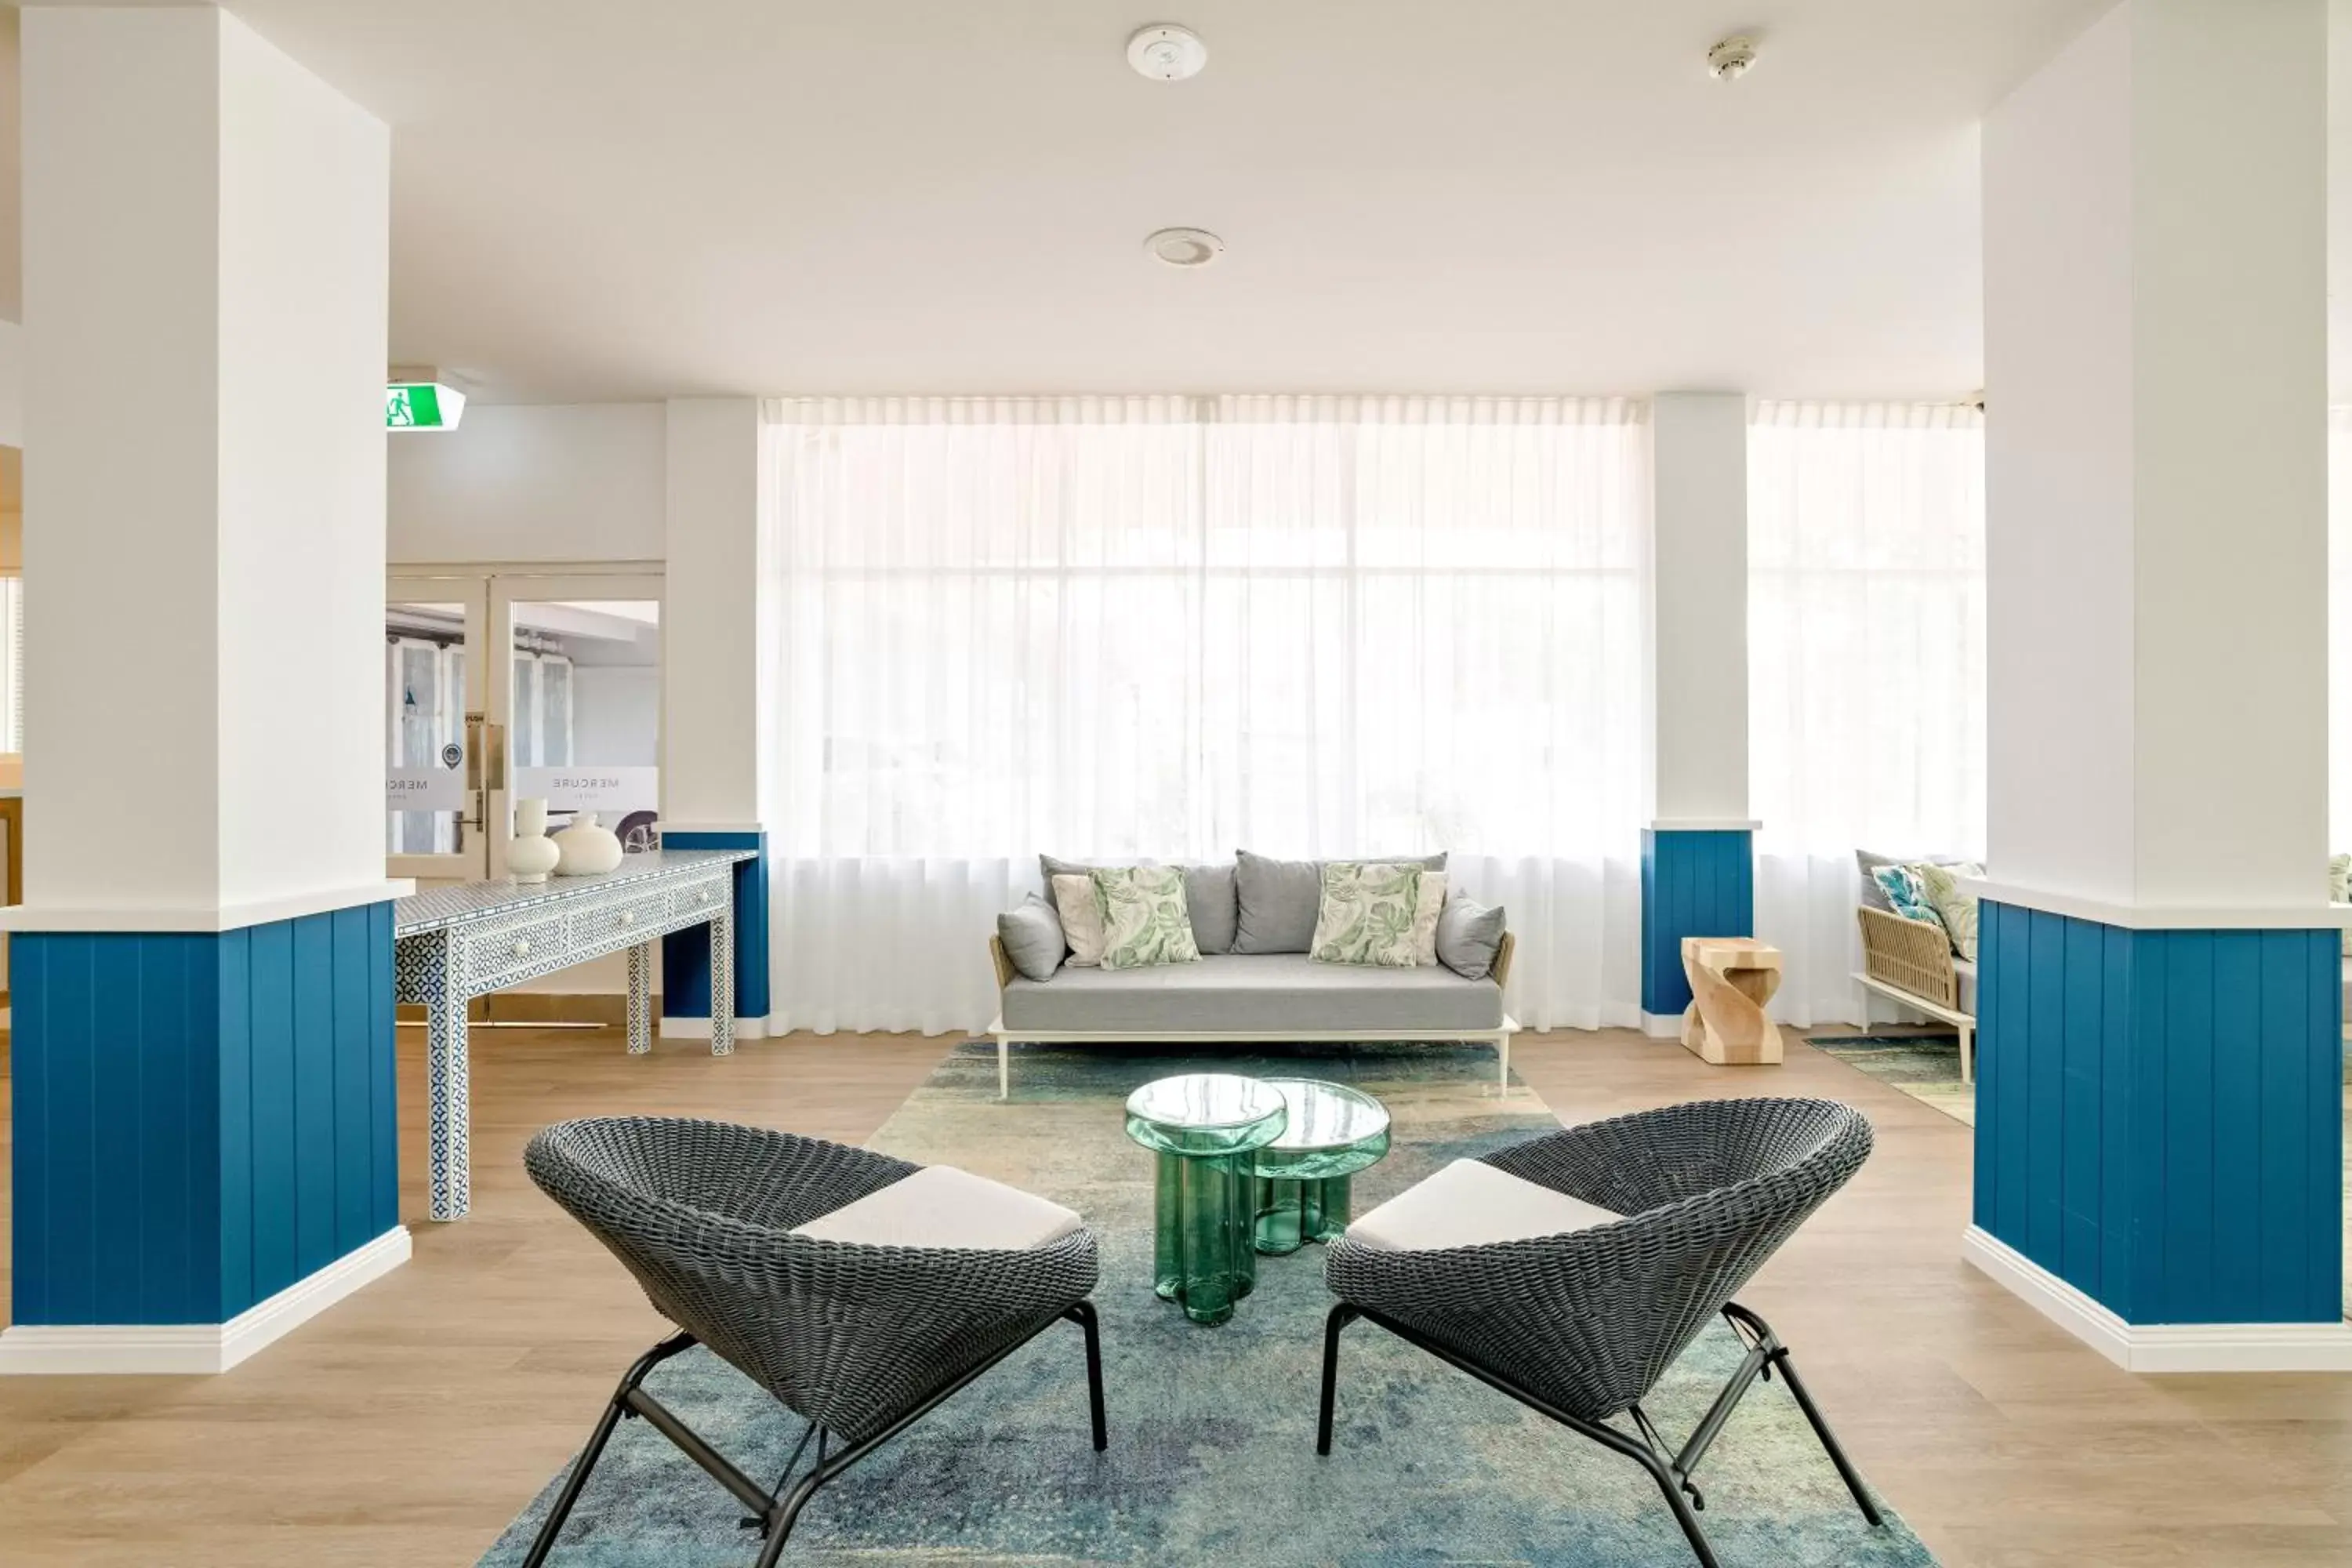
point(1866, 667)
point(1169, 627)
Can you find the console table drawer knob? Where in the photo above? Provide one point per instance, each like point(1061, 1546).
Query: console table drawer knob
point(522, 948)
point(628, 917)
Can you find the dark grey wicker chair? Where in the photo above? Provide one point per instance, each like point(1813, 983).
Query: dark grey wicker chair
point(861, 1341)
point(1580, 1326)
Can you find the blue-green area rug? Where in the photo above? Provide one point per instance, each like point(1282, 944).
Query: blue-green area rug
point(1211, 1456)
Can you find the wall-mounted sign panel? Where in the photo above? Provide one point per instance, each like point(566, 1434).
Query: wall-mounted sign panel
point(424, 789)
point(421, 405)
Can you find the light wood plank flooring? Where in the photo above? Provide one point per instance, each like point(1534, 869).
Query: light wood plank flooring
point(411, 1421)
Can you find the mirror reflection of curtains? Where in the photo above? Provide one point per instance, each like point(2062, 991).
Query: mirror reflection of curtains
point(1174, 626)
point(1866, 665)
point(427, 679)
point(540, 736)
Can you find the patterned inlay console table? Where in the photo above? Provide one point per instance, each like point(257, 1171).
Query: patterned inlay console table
point(451, 944)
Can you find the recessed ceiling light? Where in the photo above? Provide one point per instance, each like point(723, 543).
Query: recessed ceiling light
point(1729, 59)
point(1184, 246)
point(1166, 52)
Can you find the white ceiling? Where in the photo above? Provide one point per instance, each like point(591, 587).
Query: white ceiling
point(606, 199)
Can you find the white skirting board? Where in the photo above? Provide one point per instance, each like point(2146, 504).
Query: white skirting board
point(181, 1349)
point(2160, 1347)
point(1663, 1025)
point(685, 1028)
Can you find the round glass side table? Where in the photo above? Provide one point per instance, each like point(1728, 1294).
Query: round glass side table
point(1305, 1175)
point(1206, 1128)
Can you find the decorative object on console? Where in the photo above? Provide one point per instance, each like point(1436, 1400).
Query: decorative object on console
point(1033, 938)
point(584, 849)
point(532, 855)
point(1144, 921)
point(1366, 914)
point(868, 1338)
point(1080, 909)
point(1731, 978)
point(1470, 937)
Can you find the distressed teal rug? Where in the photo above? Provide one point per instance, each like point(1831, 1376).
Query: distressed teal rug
point(1211, 1456)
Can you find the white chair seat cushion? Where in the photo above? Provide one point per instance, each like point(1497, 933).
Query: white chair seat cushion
point(942, 1208)
point(1472, 1204)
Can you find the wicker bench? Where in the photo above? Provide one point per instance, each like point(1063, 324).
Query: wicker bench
point(1912, 963)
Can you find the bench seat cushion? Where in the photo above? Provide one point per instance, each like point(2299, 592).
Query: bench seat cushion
point(1272, 991)
point(1471, 1203)
point(942, 1206)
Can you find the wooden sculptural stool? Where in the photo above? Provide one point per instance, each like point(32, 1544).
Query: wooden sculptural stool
point(1731, 978)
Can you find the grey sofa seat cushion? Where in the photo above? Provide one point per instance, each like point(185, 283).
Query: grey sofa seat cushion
point(1280, 899)
point(1208, 896)
point(1965, 973)
point(1273, 993)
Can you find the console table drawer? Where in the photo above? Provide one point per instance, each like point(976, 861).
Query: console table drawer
point(699, 899)
point(622, 924)
point(496, 958)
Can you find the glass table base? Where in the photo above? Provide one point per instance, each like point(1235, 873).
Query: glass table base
point(1203, 1258)
point(1292, 1213)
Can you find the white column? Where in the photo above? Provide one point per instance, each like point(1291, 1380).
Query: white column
point(2158, 1131)
point(715, 651)
point(1697, 852)
point(202, 974)
point(206, 266)
point(1698, 626)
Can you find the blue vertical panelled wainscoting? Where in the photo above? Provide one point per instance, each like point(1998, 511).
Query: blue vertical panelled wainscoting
point(686, 954)
point(201, 1120)
point(1694, 883)
point(2159, 1114)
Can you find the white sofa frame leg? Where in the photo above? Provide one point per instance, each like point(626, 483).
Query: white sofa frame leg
point(1003, 1068)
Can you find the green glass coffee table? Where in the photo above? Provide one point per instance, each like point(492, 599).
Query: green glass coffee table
point(1206, 1128)
point(1304, 1176)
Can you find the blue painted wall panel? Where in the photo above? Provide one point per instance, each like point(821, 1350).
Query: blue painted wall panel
point(200, 1120)
point(2173, 1099)
point(686, 954)
point(1693, 884)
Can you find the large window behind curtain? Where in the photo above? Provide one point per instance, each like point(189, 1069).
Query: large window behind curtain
point(1172, 627)
point(1866, 665)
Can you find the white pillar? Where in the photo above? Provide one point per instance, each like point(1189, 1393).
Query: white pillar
point(202, 973)
point(1697, 857)
point(713, 692)
point(2158, 1128)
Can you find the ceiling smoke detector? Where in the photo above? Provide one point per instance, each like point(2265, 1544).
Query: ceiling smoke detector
point(1166, 52)
point(1184, 246)
point(1730, 61)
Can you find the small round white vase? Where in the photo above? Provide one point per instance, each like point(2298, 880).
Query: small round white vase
point(584, 849)
point(532, 855)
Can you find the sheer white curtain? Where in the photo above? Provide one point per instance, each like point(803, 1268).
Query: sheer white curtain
point(1866, 665)
point(2339, 630)
point(1170, 627)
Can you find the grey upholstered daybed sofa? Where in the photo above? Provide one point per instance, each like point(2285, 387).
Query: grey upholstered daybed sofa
point(1254, 981)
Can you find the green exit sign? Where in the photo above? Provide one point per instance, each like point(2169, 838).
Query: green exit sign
point(421, 405)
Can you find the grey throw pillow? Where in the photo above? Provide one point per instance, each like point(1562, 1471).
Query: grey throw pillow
point(1031, 936)
point(1278, 900)
point(1209, 899)
point(1469, 933)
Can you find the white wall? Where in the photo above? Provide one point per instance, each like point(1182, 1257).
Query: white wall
point(710, 649)
point(2155, 304)
point(524, 483)
point(1698, 446)
point(305, 238)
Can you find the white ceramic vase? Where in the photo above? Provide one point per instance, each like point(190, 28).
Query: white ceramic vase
point(532, 855)
point(584, 849)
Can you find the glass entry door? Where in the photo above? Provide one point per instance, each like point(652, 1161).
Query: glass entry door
point(576, 694)
point(435, 713)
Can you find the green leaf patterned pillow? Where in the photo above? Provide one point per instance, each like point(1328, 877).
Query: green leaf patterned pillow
point(1145, 921)
point(1367, 915)
point(1955, 909)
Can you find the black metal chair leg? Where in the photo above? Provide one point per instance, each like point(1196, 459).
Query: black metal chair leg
point(1778, 1354)
point(1341, 1316)
point(1671, 1485)
point(785, 1517)
point(613, 1410)
point(1082, 1314)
